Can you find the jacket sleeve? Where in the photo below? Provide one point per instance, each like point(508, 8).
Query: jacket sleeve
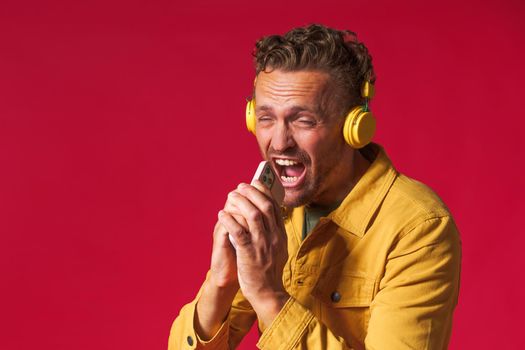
point(296, 327)
point(237, 324)
point(413, 306)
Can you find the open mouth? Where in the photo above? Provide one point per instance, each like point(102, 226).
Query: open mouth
point(291, 172)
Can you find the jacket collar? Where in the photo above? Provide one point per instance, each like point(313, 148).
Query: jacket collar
point(358, 207)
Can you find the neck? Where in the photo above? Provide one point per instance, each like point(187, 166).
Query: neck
point(353, 166)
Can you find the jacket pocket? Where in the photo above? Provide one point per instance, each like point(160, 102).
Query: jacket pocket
point(340, 291)
point(345, 305)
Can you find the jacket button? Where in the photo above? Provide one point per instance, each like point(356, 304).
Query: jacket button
point(335, 297)
point(189, 340)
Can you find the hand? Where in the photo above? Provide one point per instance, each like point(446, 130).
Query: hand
point(219, 290)
point(223, 260)
point(223, 268)
point(261, 247)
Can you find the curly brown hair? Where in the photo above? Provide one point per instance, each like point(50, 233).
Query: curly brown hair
point(317, 47)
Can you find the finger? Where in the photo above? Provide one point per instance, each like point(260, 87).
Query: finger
point(277, 206)
point(232, 209)
point(253, 216)
point(261, 187)
point(277, 218)
point(261, 200)
point(241, 221)
point(220, 236)
point(236, 231)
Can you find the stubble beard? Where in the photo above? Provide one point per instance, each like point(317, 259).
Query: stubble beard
point(308, 191)
point(314, 186)
point(301, 196)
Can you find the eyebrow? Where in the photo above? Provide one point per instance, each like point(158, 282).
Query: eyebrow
point(293, 110)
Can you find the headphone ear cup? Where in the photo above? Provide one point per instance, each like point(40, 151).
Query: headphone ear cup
point(359, 127)
point(250, 116)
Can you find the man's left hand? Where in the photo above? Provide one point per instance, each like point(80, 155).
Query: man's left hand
point(261, 251)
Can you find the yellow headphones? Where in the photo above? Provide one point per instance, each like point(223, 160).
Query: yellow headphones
point(360, 123)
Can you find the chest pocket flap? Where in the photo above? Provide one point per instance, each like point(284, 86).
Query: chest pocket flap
point(344, 290)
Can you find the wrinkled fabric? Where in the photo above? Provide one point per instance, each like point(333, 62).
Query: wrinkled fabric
point(379, 272)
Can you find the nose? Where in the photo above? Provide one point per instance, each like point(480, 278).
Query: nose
point(282, 138)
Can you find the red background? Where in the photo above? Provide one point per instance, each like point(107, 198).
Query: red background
point(121, 132)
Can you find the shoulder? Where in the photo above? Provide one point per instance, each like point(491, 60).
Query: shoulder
point(416, 214)
point(411, 207)
point(416, 196)
point(406, 197)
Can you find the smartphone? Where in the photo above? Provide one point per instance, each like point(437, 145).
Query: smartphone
point(267, 176)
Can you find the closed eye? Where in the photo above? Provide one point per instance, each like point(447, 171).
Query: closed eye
point(264, 118)
point(306, 121)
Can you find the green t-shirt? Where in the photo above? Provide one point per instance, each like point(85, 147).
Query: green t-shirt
point(312, 214)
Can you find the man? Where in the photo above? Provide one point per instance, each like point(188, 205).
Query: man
point(364, 256)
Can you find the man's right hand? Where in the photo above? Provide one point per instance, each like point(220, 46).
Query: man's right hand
point(223, 258)
point(222, 285)
point(223, 267)
point(220, 288)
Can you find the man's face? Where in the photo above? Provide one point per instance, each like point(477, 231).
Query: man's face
point(299, 132)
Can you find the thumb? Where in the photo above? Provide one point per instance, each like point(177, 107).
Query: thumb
point(221, 236)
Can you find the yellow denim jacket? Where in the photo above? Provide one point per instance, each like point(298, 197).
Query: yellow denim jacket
point(379, 272)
